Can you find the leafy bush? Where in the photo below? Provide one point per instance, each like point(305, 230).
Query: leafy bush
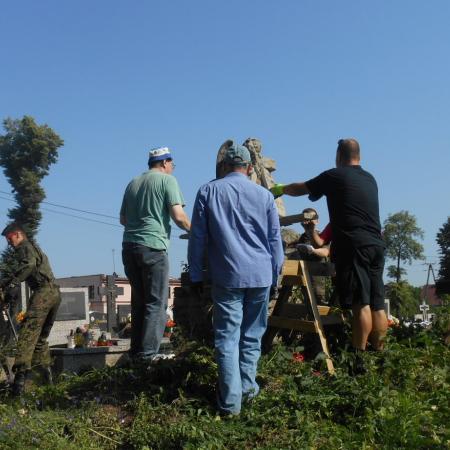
point(401, 402)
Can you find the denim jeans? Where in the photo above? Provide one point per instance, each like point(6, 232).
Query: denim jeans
point(240, 320)
point(148, 272)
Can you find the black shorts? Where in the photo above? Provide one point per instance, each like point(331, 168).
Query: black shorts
point(359, 277)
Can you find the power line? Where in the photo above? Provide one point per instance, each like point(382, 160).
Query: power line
point(80, 210)
point(73, 209)
point(80, 217)
point(86, 218)
point(69, 215)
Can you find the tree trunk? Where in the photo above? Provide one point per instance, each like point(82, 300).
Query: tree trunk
point(398, 268)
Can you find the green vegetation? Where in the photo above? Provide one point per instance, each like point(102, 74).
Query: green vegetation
point(405, 299)
point(400, 233)
point(27, 151)
point(443, 240)
point(401, 402)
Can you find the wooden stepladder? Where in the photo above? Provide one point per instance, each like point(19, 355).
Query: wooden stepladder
point(307, 316)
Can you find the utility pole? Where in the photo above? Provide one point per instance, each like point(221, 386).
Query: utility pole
point(425, 306)
point(114, 260)
point(430, 271)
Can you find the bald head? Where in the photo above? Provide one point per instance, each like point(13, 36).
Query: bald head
point(347, 153)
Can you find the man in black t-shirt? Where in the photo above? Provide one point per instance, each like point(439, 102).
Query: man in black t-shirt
point(358, 249)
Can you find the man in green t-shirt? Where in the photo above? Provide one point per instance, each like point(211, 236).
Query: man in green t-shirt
point(149, 202)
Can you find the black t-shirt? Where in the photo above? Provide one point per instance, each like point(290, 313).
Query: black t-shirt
point(352, 198)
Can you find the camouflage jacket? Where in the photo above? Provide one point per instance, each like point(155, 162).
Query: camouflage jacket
point(33, 267)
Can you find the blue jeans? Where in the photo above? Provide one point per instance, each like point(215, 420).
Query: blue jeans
point(148, 272)
point(240, 320)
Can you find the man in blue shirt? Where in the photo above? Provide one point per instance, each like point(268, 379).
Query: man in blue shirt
point(237, 222)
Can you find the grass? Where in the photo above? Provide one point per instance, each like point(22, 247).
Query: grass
point(401, 402)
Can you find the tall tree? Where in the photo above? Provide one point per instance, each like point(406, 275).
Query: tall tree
point(27, 150)
point(400, 233)
point(443, 240)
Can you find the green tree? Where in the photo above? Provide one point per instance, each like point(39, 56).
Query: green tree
point(395, 272)
point(27, 150)
point(443, 240)
point(400, 233)
point(404, 299)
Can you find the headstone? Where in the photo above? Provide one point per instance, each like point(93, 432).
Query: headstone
point(387, 307)
point(424, 308)
point(123, 311)
point(73, 312)
point(111, 290)
point(99, 319)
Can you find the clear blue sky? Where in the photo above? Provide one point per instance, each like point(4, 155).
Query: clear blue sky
point(117, 78)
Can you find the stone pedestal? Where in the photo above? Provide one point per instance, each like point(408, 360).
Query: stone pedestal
point(78, 359)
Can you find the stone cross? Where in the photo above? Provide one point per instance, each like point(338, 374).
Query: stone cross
point(111, 290)
point(424, 308)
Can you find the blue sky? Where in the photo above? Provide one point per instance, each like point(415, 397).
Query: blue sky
point(117, 78)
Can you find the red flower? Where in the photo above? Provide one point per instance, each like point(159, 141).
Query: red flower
point(297, 356)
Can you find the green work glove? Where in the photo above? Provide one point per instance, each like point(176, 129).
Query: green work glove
point(277, 190)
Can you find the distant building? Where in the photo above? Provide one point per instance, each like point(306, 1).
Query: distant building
point(429, 294)
point(97, 302)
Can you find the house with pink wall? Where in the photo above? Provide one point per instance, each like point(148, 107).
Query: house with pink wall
point(95, 283)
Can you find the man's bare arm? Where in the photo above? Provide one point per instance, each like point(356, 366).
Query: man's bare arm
point(323, 252)
point(295, 189)
point(179, 217)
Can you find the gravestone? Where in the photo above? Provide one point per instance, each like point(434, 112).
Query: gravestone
point(73, 312)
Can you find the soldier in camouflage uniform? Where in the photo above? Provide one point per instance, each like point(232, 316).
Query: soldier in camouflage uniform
point(34, 268)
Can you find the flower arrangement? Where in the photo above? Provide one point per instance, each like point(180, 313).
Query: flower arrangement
point(169, 328)
point(393, 322)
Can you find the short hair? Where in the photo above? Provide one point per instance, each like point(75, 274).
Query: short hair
point(12, 228)
point(348, 150)
point(310, 210)
point(152, 164)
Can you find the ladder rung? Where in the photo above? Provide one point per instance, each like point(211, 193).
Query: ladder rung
point(291, 267)
point(321, 269)
point(293, 324)
point(292, 280)
point(333, 319)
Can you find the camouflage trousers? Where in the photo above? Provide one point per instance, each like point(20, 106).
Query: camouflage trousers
point(32, 345)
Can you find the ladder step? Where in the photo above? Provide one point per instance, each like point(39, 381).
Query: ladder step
point(291, 267)
point(293, 310)
point(333, 319)
point(293, 324)
point(322, 269)
point(292, 280)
